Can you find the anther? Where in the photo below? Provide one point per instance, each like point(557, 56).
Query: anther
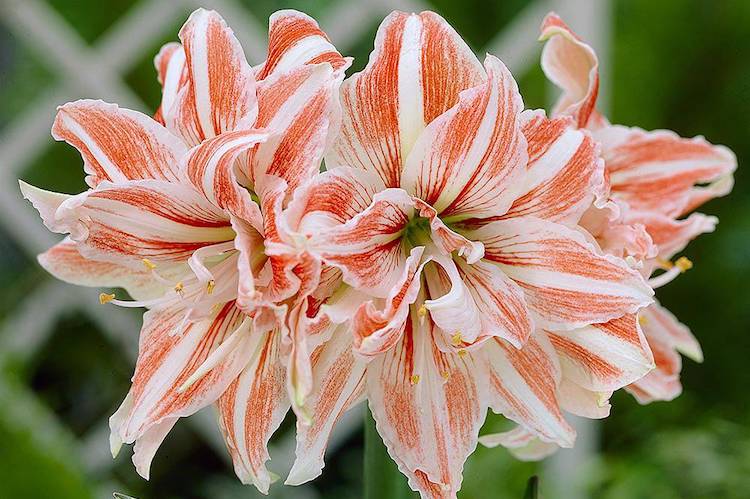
point(415, 379)
point(148, 264)
point(179, 287)
point(422, 311)
point(105, 298)
point(457, 339)
point(462, 353)
point(684, 264)
point(210, 286)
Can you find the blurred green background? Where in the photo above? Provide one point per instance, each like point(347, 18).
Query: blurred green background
point(64, 366)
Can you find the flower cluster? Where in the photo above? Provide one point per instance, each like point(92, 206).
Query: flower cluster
point(458, 253)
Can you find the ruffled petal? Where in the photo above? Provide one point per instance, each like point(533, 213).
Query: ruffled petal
point(476, 301)
point(661, 172)
point(671, 236)
point(164, 384)
point(211, 168)
point(294, 40)
point(252, 408)
point(219, 93)
point(564, 171)
point(415, 73)
point(171, 73)
point(523, 386)
point(568, 282)
point(369, 248)
point(376, 331)
point(332, 198)
point(428, 407)
point(299, 109)
point(118, 144)
point(523, 444)
point(142, 219)
point(604, 357)
point(468, 161)
point(338, 384)
point(666, 337)
point(572, 66)
point(66, 263)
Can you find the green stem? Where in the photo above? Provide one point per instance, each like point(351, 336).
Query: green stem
point(381, 476)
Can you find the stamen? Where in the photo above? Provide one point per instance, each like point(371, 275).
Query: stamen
point(422, 311)
point(105, 298)
point(179, 287)
point(642, 320)
point(684, 264)
point(148, 264)
point(462, 353)
point(457, 339)
point(210, 286)
point(415, 379)
point(445, 374)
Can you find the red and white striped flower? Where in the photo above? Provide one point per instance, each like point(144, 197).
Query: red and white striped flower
point(181, 212)
point(455, 213)
point(655, 179)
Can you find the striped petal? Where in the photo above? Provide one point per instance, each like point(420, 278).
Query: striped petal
point(338, 384)
point(415, 73)
point(564, 171)
point(142, 219)
point(376, 331)
point(331, 198)
point(211, 168)
point(65, 262)
point(671, 236)
point(604, 357)
point(523, 444)
point(469, 160)
point(476, 301)
point(252, 408)
point(573, 67)
point(171, 350)
point(219, 92)
point(662, 172)
point(428, 407)
point(666, 336)
point(523, 386)
point(171, 73)
point(298, 109)
point(369, 248)
point(294, 40)
point(118, 144)
point(568, 282)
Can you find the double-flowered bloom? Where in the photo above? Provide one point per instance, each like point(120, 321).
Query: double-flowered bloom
point(458, 253)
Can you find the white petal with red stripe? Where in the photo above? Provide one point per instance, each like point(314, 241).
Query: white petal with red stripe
point(415, 73)
point(428, 407)
point(523, 386)
point(469, 161)
point(118, 144)
point(604, 357)
point(567, 280)
point(219, 93)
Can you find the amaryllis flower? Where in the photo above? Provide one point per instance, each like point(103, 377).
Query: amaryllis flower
point(655, 179)
point(455, 212)
point(181, 213)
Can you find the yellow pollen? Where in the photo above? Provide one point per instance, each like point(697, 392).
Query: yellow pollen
point(445, 374)
point(179, 287)
point(210, 286)
point(665, 264)
point(456, 339)
point(684, 264)
point(415, 379)
point(106, 298)
point(642, 320)
point(148, 264)
point(462, 353)
point(422, 311)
